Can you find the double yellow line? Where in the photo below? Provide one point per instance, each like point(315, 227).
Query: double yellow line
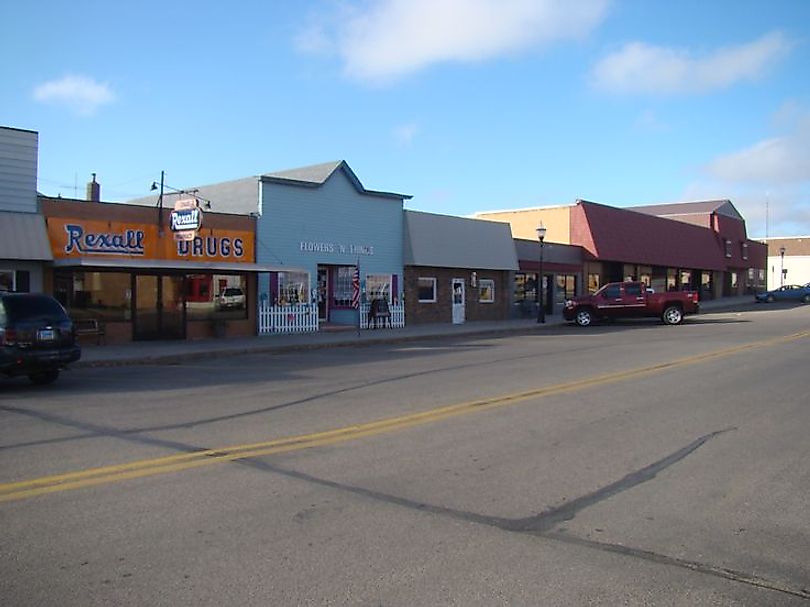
point(186, 461)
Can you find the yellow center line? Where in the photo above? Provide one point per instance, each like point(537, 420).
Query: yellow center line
point(186, 461)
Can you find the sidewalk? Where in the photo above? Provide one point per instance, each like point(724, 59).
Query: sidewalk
point(168, 352)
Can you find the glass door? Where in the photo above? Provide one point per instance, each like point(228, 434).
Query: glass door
point(459, 299)
point(323, 293)
point(160, 311)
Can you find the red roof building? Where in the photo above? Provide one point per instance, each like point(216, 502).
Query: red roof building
point(698, 246)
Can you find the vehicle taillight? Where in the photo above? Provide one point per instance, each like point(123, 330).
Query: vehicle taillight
point(8, 337)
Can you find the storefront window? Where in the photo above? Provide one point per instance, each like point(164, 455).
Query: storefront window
point(672, 279)
point(705, 285)
point(216, 296)
point(293, 288)
point(486, 290)
point(378, 286)
point(686, 280)
point(525, 287)
point(6, 280)
point(566, 287)
point(427, 290)
point(342, 287)
point(101, 295)
point(593, 283)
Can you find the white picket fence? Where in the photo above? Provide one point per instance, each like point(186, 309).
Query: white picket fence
point(397, 320)
point(296, 318)
point(303, 318)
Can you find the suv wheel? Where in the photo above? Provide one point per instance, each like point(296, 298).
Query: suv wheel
point(44, 377)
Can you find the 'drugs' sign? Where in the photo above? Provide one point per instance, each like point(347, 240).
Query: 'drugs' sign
point(82, 238)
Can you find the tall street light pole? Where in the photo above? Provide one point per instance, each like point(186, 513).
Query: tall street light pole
point(541, 308)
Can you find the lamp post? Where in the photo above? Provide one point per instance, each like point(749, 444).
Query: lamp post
point(782, 269)
point(541, 308)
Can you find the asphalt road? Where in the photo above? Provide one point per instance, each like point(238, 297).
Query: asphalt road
point(627, 464)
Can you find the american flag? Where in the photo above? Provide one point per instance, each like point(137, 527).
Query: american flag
point(356, 286)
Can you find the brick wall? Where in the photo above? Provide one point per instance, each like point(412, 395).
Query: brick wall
point(442, 310)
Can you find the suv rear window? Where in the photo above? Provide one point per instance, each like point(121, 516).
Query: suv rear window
point(32, 306)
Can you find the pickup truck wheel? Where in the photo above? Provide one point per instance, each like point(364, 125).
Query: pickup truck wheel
point(673, 315)
point(583, 317)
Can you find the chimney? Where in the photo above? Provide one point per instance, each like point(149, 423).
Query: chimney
point(94, 190)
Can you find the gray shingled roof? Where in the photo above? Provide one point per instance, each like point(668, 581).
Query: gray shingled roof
point(444, 241)
point(700, 207)
point(241, 196)
point(238, 197)
point(317, 174)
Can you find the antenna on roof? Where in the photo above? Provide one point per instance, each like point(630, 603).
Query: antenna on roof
point(767, 212)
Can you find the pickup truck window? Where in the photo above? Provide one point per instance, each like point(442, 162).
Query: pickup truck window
point(633, 290)
point(612, 292)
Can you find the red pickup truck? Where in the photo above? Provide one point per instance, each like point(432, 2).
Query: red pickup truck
point(631, 300)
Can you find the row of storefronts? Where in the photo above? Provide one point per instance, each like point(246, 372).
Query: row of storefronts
point(312, 248)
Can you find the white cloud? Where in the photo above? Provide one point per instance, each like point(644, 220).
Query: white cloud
point(778, 160)
point(643, 68)
point(394, 38)
point(79, 93)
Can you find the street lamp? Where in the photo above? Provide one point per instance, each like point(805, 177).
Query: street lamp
point(782, 269)
point(541, 309)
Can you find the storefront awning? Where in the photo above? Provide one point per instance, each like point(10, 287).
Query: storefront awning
point(23, 236)
point(130, 264)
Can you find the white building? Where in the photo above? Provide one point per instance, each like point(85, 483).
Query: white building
point(788, 260)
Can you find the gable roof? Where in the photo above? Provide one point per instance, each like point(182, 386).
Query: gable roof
point(444, 241)
point(241, 196)
point(700, 207)
point(317, 174)
point(623, 235)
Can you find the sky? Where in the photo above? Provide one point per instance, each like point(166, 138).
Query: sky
point(466, 105)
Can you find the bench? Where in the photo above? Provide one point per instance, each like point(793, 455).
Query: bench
point(89, 326)
point(379, 312)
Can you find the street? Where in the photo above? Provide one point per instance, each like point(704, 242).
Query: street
point(629, 463)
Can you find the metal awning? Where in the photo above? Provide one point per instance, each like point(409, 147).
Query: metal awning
point(172, 265)
point(24, 236)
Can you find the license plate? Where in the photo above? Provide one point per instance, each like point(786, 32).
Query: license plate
point(46, 335)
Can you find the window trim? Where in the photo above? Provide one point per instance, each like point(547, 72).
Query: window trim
point(482, 289)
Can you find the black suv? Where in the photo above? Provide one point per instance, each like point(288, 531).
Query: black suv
point(37, 338)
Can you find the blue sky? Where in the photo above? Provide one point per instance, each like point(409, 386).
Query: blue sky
point(467, 105)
